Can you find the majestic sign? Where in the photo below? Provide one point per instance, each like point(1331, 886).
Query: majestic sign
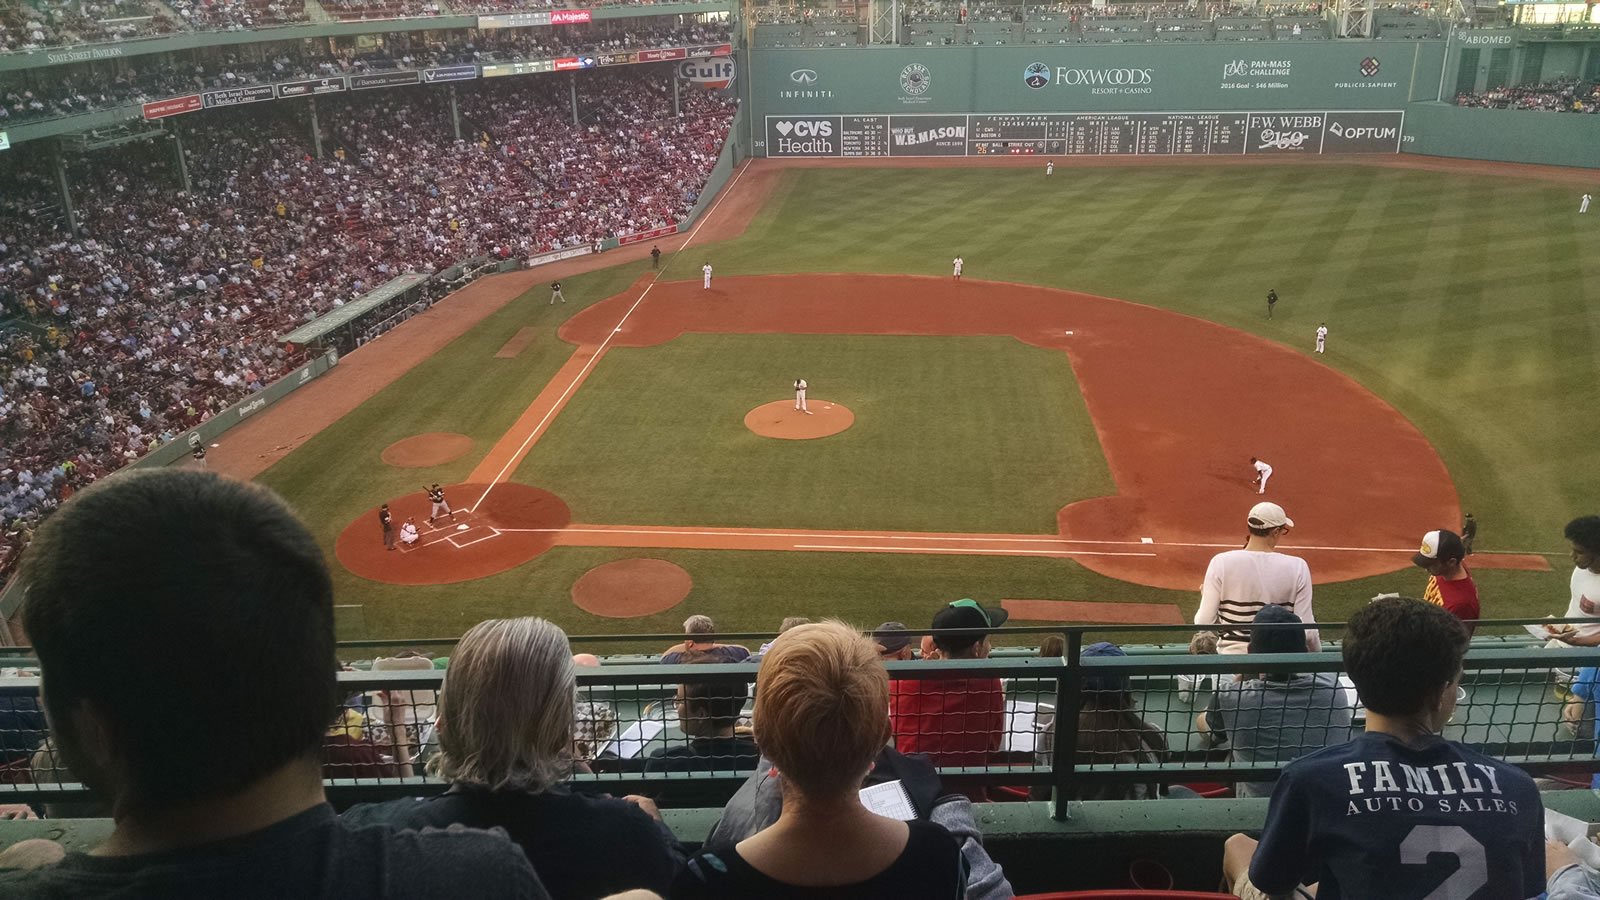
point(237, 96)
point(172, 106)
point(570, 16)
point(288, 89)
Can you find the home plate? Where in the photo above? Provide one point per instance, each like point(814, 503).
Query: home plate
point(462, 527)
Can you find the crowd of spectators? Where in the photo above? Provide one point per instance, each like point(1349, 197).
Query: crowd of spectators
point(103, 85)
point(167, 307)
point(1558, 96)
point(828, 807)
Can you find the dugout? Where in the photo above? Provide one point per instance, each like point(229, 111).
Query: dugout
point(351, 325)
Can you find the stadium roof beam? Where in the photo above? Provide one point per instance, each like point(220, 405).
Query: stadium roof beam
point(115, 136)
point(1354, 18)
point(883, 17)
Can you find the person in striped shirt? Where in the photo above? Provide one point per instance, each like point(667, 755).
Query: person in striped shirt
point(1239, 583)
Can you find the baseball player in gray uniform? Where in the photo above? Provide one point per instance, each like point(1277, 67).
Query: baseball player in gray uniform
point(800, 395)
point(436, 497)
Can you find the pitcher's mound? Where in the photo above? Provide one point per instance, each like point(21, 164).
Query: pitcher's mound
point(631, 587)
point(423, 450)
point(782, 420)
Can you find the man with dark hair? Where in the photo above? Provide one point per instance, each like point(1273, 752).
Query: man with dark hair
point(1274, 718)
point(1583, 533)
point(956, 721)
point(222, 576)
point(1399, 812)
point(1450, 585)
point(893, 641)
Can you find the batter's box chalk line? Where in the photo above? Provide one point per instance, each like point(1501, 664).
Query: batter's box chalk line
point(462, 545)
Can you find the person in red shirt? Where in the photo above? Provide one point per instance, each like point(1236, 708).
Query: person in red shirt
point(1450, 585)
point(956, 721)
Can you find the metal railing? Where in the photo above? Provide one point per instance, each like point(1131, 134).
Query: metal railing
point(1010, 726)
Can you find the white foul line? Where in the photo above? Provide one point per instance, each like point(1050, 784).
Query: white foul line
point(582, 373)
point(950, 538)
point(877, 549)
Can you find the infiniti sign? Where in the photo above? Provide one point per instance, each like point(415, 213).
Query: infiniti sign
point(803, 76)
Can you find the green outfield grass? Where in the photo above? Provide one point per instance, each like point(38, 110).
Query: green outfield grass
point(1469, 303)
point(981, 434)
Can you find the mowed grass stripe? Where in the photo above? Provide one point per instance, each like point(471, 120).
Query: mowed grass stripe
point(971, 434)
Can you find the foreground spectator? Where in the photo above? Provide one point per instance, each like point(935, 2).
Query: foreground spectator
point(236, 591)
point(956, 721)
point(702, 642)
point(1111, 731)
point(759, 802)
point(1239, 582)
point(1398, 811)
point(1583, 534)
point(1276, 718)
point(507, 709)
point(820, 701)
point(1450, 585)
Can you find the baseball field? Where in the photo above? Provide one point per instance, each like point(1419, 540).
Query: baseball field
point(1067, 429)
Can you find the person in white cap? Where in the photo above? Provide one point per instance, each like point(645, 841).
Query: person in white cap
point(1263, 472)
point(1450, 585)
point(1239, 583)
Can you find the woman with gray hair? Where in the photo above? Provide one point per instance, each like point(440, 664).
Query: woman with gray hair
point(505, 728)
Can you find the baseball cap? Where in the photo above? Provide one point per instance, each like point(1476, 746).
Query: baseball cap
point(1437, 545)
point(1268, 515)
point(1277, 640)
point(1103, 682)
point(891, 636)
point(965, 613)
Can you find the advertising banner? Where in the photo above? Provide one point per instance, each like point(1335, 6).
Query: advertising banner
point(712, 72)
point(5, 141)
point(652, 234)
point(568, 63)
point(449, 73)
point(1084, 134)
point(288, 89)
point(557, 256)
point(237, 96)
point(661, 55)
point(927, 135)
point(384, 79)
point(570, 16)
point(1487, 37)
point(172, 106)
point(615, 59)
point(515, 20)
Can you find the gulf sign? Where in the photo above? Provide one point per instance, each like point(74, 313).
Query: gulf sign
point(709, 72)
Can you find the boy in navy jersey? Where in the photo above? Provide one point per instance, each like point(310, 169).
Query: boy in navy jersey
point(1399, 812)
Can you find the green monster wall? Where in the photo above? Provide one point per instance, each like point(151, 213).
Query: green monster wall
point(1504, 135)
point(1321, 75)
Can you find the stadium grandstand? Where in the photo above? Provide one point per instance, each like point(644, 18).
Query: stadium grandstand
point(403, 494)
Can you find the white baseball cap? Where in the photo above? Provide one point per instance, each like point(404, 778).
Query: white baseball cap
point(1268, 515)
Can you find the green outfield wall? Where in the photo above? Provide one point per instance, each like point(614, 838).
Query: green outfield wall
point(1503, 135)
point(1115, 78)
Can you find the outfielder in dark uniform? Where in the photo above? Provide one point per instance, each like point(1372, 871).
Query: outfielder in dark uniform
point(555, 293)
point(387, 522)
point(1272, 300)
point(436, 497)
point(655, 257)
point(1469, 532)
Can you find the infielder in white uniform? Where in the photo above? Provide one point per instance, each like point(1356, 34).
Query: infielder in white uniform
point(706, 269)
point(1322, 337)
point(959, 262)
point(1263, 472)
point(1583, 205)
point(800, 395)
